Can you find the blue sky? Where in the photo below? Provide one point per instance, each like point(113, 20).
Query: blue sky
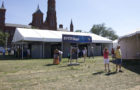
point(121, 15)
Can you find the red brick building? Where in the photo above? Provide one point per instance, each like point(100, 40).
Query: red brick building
point(37, 21)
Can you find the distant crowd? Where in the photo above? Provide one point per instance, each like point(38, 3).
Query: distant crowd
point(75, 53)
point(17, 52)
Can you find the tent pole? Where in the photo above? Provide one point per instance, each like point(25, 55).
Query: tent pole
point(70, 54)
point(138, 52)
point(137, 42)
point(22, 49)
point(62, 47)
point(43, 50)
point(126, 47)
point(90, 50)
point(77, 53)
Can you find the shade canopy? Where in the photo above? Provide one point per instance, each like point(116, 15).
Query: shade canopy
point(130, 34)
point(37, 35)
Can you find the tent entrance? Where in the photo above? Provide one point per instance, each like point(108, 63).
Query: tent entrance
point(75, 41)
point(81, 48)
point(53, 47)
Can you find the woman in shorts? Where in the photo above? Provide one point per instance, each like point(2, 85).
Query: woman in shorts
point(106, 59)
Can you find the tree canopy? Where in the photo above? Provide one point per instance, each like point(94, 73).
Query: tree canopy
point(102, 30)
point(78, 31)
point(3, 37)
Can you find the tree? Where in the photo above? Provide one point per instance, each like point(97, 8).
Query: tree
point(78, 31)
point(3, 38)
point(102, 30)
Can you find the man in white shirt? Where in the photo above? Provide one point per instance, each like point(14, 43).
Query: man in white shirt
point(60, 55)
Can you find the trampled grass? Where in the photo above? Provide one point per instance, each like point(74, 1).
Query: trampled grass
point(40, 74)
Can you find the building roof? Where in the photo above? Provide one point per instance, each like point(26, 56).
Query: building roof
point(2, 6)
point(62, 29)
point(17, 25)
point(38, 11)
point(22, 34)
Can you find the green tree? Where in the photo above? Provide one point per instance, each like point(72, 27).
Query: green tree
point(102, 30)
point(78, 31)
point(3, 38)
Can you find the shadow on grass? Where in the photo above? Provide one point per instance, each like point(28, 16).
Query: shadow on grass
point(132, 65)
point(107, 74)
point(98, 73)
point(110, 73)
point(50, 65)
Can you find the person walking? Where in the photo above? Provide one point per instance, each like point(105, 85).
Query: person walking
point(118, 57)
point(106, 59)
point(28, 53)
point(85, 53)
point(60, 55)
point(4, 51)
point(113, 53)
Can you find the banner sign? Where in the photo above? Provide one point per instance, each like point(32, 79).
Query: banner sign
point(76, 39)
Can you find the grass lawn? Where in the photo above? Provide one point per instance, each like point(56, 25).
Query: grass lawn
point(40, 74)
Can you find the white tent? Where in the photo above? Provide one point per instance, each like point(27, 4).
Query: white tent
point(22, 34)
point(130, 45)
point(49, 37)
point(115, 43)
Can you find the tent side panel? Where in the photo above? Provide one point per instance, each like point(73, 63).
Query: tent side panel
point(123, 44)
point(128, 47)
point(131, 47)
point(36, 51)
point(66, 49)
point(47, 50)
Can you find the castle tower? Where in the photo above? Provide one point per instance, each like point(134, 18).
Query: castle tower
point(2, 16)
point(51, 20)
point(37, 18)
point(71, 27)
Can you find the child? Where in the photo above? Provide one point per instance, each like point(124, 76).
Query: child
point(106, 59)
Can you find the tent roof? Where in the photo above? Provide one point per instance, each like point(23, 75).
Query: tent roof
point(130, 34)
point(17, 25)
point(22, 34)
point(115, 41)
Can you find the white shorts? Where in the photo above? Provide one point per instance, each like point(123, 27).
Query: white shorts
point(106, 61)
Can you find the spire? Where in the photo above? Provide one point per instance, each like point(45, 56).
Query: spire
point(51, 19)
point(71, 26)
point(2, 6)
point(71, 22)
point(38, 10)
